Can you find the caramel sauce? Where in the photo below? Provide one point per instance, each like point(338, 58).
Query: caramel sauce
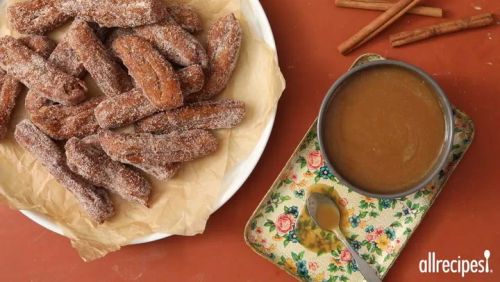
point(313, 237)
point(384, 129)
point(328, 216)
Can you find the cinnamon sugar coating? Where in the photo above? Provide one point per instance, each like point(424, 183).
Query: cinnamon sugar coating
point(62, 122)
point(202, 115)
point(129, 107)
point(41, 44)
point(36, 16)
point(224, 43)
point(94, 201)
point(154, 75)
point(107, 73)
point(34, 102)
point(10, 89)
point(92, 163)
point(65, 58)
point(160, 172)
point(116, 13)
point(124, 109)
point(38, 74)
point(186, 17)
point(145, 148)
point(176, 44)
point(191, 78)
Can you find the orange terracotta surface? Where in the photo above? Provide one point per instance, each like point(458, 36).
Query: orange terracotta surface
point(464, 221)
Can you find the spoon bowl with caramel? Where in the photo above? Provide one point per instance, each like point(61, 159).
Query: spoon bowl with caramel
point(385, 129)
point(326, 214)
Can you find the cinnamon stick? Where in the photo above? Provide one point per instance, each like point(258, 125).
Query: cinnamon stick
point(376, 26)
point(407, 37)
point(385, 5)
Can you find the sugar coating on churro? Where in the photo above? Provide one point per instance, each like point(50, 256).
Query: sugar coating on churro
point(176, 44)
point(92, 163)
point(65, 58)
point(202, 115)
point(191, 78)
point(62, 122)
point(106, 72)
point(151, 72)
point(124, 109)
point(36, 16)
point(186, 17)
point(38, 74)
point(160, 172)
point(95, 201)
point(129, 107)
point(33, 102)
point(10, 89)
point(116, 13)
point(145, 148)
point(41, 44)
point(224, 43)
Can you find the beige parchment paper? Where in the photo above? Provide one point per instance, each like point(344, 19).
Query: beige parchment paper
point(180, 206)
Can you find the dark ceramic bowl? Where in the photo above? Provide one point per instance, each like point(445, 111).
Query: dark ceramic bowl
point(445, 106)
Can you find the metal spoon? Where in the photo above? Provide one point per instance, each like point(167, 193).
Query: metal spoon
point(313, 203)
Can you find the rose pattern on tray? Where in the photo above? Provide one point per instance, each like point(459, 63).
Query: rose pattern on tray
point(377, 228)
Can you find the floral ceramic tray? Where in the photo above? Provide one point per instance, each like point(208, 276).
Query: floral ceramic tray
point(281, 231)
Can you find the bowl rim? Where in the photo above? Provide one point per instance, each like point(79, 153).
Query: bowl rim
point(447, 113)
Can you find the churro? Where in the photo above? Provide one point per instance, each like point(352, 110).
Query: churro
point(160, 172)
point(132, 106)
point(41, 44)
point(116, 13)
point(191, 78)
point(94, 165)
point(65, 58)
point(224, 43)
point(186, 17)
point(10, 88)
point(154, 75)
point(106, 72)
point(124, 109)
point(95, 201)
point(38, 74)
point(202, 115)
point(145, 148)
point(176, 44)
point(36, 16)
point(62, 122)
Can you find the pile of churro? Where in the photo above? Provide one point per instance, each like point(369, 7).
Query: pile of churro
point(155, 75)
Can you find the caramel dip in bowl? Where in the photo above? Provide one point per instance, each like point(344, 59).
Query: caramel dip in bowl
point(385, 129)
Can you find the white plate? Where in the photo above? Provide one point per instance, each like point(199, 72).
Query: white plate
point(235, 178)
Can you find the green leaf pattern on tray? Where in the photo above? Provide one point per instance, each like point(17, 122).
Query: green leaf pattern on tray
point(377, 228)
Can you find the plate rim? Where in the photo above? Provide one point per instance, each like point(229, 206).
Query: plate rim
point(265, 32)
